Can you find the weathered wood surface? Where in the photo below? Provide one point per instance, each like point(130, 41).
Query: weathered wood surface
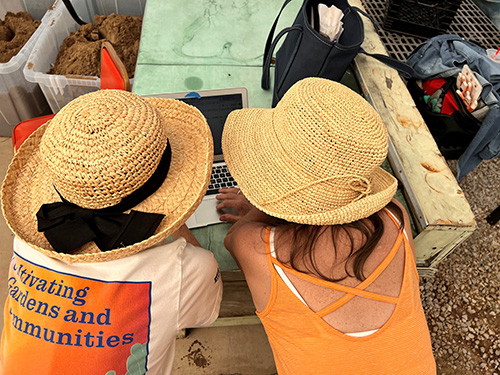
point(237, 306)
point(436, 243)
point(237, 300)
point(431, 187)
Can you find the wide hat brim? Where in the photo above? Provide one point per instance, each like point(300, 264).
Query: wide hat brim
point(257, 161)
point(26, 187)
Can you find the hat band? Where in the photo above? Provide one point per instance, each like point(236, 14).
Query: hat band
point(147, 189)
point(356, 183)
point(68, 226)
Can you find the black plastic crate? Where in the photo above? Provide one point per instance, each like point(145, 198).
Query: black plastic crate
point(421, 18)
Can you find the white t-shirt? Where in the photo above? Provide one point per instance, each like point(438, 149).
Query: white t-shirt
point(109, 318)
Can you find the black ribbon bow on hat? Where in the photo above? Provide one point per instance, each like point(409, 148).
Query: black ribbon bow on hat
point(68, 226)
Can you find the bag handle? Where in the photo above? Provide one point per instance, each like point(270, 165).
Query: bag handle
point(404, 69)
point(73, 13)
point(266, 67)
point(268, 51)
point(363, 13)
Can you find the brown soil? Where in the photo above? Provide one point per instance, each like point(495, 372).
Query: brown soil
point(15, 31)
point(80, 53)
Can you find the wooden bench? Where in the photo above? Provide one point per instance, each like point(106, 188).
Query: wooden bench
point(438, 206)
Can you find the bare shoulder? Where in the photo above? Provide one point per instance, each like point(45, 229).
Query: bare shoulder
point(246, 243)
point(246, 237)
point(248, 248)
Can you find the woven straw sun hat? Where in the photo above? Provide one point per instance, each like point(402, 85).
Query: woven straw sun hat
point(99, 149)
point(314, 159)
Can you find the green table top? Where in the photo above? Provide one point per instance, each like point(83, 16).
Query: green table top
point(212, 44)
point(157, 79)
point(210, 32)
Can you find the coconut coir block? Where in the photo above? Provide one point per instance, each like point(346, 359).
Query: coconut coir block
point(80, 53)
point(15, 31)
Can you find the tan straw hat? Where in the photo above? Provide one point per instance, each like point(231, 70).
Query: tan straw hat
point(314, 159)
point(97, 151)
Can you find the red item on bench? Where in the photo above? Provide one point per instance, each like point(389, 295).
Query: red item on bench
point(432, 85)
point(449, 104)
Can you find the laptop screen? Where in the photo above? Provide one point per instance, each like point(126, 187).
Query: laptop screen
point(216, 109)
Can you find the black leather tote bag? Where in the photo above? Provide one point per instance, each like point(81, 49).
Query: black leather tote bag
point(307, 53)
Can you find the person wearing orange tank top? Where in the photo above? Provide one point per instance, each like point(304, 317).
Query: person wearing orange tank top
point(326, 250)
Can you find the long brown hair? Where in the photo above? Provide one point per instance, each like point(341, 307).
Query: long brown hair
point(305, 237)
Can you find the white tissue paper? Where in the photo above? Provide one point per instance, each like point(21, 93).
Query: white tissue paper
point(330, 21)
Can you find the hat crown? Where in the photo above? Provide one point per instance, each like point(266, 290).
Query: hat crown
point(103, 146)
point(315, 158)
point(330, 131)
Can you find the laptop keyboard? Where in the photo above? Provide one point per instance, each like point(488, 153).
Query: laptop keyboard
point(220, 179)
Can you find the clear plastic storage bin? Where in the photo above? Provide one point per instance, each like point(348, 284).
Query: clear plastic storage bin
point(59, 90)
point(19, 99)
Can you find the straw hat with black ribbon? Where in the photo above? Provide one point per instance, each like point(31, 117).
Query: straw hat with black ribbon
point(314, 159)
point(109, 176)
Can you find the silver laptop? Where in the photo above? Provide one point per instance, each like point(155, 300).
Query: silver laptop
point(215, 106)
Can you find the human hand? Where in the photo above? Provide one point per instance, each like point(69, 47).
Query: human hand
point(233, 198)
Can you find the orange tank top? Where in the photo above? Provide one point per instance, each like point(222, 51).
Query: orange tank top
point(303, 343)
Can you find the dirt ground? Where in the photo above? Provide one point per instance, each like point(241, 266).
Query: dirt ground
point(15, 31)
point(80, 52)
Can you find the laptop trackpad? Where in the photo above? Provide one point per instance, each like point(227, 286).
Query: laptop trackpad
point(207, 213)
